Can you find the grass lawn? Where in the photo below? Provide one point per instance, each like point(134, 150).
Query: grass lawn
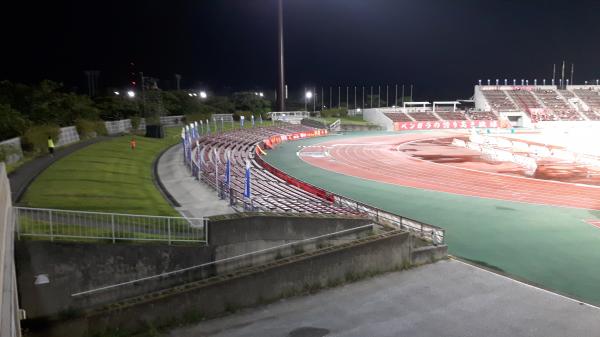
point(107, 177)
point(358, 120)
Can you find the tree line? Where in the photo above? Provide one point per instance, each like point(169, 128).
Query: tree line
point(48, 103)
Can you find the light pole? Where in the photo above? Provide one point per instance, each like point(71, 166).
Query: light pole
point(308, 95)
point(280, 64)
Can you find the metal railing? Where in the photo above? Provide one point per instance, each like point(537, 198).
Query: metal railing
point(427, 231)
point(68, 225)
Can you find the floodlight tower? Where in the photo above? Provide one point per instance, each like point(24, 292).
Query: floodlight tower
point(280, 64)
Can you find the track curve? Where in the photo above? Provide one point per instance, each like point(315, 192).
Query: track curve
point(376, 158)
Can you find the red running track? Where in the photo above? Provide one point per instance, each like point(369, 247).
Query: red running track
point(376, 158)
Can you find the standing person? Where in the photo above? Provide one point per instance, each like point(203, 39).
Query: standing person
point(133, 143)
point(51, 146)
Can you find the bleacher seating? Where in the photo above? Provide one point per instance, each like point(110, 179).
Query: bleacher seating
point(269, 193)
point(592, 99)
point(450, 115)
point(557, 105)
point(423, 116)
point(482, 115)
point(398, 117)
point(499, 101)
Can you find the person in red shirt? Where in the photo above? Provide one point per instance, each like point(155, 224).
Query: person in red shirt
point(133, 143)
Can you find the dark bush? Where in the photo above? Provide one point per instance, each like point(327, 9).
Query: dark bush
point(35, 138)
point(336, 112)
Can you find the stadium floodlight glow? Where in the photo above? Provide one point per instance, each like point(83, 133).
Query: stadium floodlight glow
point(544, 81)
point(203, 94)
point(131, 94)
point(195, 94)
point(505, 81)
point(190, 94)
point(479, 82)
point(261, 94)
point(497, 81)
point(358, 110)
point(309, 94)
point(488, 81)
point(514, 81)
point(117, 93)
point(567, 80)
point(526, 82)
point(597, 81)
point(522, 81)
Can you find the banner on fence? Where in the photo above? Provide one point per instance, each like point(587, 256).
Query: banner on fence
point(431, 125)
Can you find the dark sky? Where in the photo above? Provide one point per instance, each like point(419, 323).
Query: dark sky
point(442, 46)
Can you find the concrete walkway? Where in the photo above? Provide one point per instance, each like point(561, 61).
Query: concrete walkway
point(22, 177)
point(448, 298)
point(195, 198)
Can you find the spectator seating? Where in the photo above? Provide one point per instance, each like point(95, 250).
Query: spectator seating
point(269, 193)
point(557, 105)
point(499, 101)
point(592, 99)
point(398, 117)
point(483, 115)
point(423, 116)
point(450, 115)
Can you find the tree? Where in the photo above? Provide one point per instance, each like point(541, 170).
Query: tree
point(12, 123)
point(117, 107)
point(249, 101)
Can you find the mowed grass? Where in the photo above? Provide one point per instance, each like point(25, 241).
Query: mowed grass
point(106, 177)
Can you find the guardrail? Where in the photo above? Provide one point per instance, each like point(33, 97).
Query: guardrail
point(68, 225)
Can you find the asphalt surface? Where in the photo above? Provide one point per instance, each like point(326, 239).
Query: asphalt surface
point(195, 198)
point(447, 298)
point(23, 176)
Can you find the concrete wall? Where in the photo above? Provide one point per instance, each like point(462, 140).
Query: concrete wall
point(329, 267)
point(75, 267)
point(9, 304)
point(68, 135)
point(13, 150)
point(376, 116)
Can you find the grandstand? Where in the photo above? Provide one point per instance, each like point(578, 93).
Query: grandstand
point(269, 192)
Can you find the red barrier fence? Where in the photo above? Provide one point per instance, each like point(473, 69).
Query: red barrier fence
point(430, 125)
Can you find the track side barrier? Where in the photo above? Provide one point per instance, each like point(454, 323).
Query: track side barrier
point(430, 232)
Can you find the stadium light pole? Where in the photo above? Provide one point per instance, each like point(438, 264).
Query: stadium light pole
point(330, 99)
point(322, 98)
point(387, 95)
point(280, 63)
point(339, 96)
point(355, 107)
point(371, 97)
point(379, 96)
point(347, 88)
point(411, 92)
point(396, 96)
point(363, 97)
point(315, 99)
point(505, 81)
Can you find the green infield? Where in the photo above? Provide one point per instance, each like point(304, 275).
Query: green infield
point(108, 176)
point(549, 246)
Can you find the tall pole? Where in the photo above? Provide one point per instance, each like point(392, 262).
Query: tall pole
point(322, 98)
point(314, 99)
point(371, 97)
point(411, 92)
point(355, 98)
point(363, 99)
point(379, 96)
point(339, 96)
point(346, 97)
point(553, 72)
point(387, 95)
point(305, 100)
point(572, 71)
point(280, 77)
point(403, 95)
point(396, 96)
point(330, 99)
point(563, 74)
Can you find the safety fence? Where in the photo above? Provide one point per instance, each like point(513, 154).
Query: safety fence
point(245, 260)
point(77, 225)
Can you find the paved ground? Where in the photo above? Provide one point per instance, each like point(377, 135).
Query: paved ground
point(24, 175)
point(448, 298)
point(555, 247)
point(196, 199)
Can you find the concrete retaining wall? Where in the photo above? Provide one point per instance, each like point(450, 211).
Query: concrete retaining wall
point(12, 149)
point(9, 303)
point(308, 272)
point(376, 116)
point(68, 135)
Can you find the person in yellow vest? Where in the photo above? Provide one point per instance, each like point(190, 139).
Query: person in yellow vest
point(51, 146)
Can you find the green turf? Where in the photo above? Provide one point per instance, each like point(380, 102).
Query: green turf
point(549, 246)
point(106, 176)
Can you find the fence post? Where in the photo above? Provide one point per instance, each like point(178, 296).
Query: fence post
point(169, 229)
point(112, 226)
point(205, 230)
point(17, 222)
point(50, 220)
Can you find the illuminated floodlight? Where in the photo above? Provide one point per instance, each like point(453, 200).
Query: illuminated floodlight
point(117, 93)
point(195, 94)
point(203, 94)
point(190, 94)
point(309, 94)
point(261, 94)
point(131, 94)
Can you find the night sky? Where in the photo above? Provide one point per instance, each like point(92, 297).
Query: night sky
point(442, 46)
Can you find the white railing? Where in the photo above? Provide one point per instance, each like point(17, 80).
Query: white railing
point(69, 225)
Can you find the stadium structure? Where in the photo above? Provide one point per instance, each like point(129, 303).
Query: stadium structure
point(512, 182)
